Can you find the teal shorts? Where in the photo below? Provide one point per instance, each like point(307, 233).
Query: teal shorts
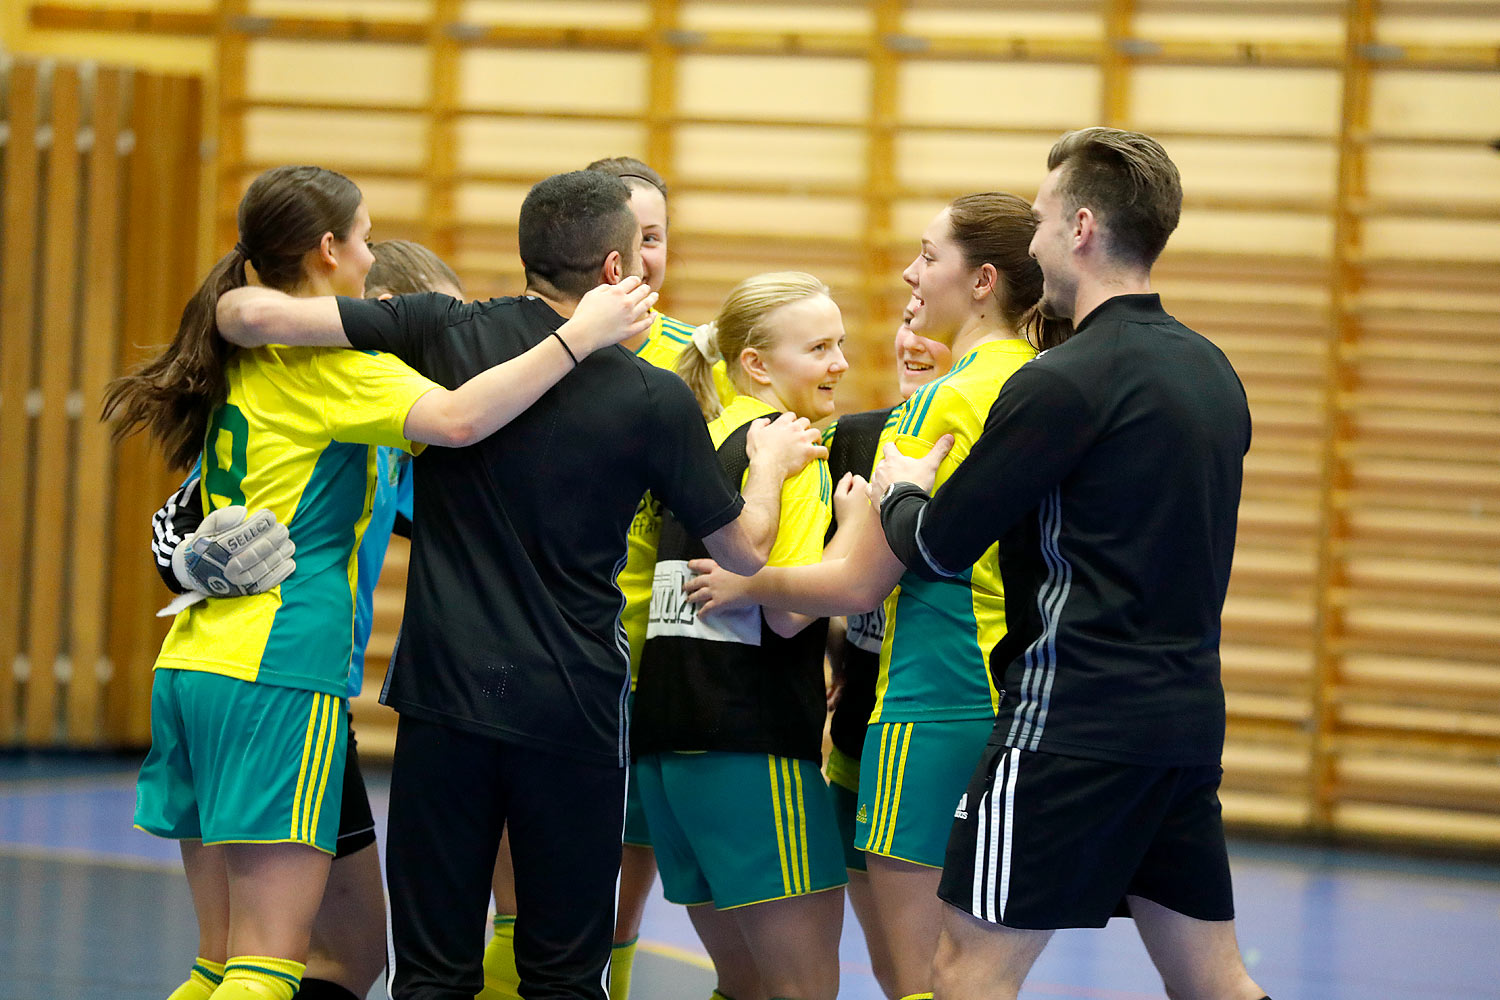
point(843, 792)
point(734, 829)
point(637, 833)
point(234, 762)
point(911, 776)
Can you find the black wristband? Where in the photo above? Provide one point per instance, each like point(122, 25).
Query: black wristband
point(565, 347)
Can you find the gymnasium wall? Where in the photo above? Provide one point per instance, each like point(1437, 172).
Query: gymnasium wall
point(1339, 240)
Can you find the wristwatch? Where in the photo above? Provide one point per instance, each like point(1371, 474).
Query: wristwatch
point(886, 496)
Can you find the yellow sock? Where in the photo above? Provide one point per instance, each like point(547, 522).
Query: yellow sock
point(201, 981)
point(501, 981)
point(259, 977)
point(917, 996)
point(716, 995)
point(621, 962)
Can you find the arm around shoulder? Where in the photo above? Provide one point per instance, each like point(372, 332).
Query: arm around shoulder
point(255, 316)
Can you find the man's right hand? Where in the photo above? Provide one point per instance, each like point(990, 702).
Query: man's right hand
point(786, 444)
point(608, 314)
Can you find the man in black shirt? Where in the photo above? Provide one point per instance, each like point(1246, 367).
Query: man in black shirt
point(511, 671)
point(1109, 472)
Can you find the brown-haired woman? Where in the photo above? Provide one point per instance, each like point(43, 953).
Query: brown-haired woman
point(976, 290)
point(248, 698)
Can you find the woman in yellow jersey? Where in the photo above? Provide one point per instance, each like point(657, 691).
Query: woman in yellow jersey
point(659, 345)
point(248, 696)
point(728, 719)
point(976, 289)
point(853, 442)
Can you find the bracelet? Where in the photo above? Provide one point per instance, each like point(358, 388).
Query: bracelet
point(565, 347)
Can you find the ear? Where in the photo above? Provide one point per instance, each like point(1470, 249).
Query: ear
point(327, 255)
point(985, 281)
point(1085, 229)
point(612, 272)
point(754, 366)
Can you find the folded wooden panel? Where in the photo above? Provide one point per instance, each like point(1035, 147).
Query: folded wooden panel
point(17, 320)
point(50, 496)
point(92, 465)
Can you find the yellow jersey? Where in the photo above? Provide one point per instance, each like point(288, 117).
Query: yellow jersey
point(934, 659)
point(295, 436)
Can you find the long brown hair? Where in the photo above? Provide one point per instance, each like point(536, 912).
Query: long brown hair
point(995, 228)
point(282, 216)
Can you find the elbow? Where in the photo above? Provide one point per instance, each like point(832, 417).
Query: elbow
point(459, 431)
point(786, 624)
point(746, 563)
point(868, 594)
point(244, 322)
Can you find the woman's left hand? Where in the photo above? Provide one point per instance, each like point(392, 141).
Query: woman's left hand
point(713, 588)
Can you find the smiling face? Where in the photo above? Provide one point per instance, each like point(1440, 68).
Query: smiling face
point(919, 360)
point(1051, 246)
point(805, 361)
point(942, 283)
point(353, 257)
point(650, 210)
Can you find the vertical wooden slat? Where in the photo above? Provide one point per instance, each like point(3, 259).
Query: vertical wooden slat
point(880, 189)
point(17, 320)
point(128, 705)
point(1114, 67)
point(660, 112)
point(442, 139)
point(1332, 528)
point(50, 488)
point(232, 65)
point(92, 469)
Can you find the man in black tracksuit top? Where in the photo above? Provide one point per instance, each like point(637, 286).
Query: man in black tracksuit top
point(1109, 471)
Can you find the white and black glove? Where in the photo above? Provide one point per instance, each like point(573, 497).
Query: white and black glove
point(232, 555)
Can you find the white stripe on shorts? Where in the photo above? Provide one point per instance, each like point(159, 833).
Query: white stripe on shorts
point(992, 842)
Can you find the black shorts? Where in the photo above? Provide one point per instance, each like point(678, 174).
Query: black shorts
point(1043, 842)
point(356, 821)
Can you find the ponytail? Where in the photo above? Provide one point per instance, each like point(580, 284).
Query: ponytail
point(284, 214)
point(695, 366)
point(174, 394)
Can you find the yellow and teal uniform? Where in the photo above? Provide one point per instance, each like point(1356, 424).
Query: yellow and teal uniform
point(294, 436)
point(935, 700)
point(729, 720)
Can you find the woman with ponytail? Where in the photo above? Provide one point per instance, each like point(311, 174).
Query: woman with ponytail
point(976, 291)
point(248, 697)
point(728, 723)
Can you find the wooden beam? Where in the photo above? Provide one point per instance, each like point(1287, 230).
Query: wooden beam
point(17, 328)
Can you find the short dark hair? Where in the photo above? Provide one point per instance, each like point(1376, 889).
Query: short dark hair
point(569, 224)
point(1130, 184)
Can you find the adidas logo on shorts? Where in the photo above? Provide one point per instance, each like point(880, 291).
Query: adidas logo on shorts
point(863, 816)
point(962, 812)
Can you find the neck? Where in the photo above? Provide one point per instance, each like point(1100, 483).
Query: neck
point(563, 307)
point(981, 329)
point(767, 395)
point(1094, 292)
point(313, 285)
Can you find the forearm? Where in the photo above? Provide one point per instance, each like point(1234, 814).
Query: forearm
point(254, 317)
point(847, 584)
point(488, 401)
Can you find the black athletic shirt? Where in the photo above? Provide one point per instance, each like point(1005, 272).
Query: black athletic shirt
point(512, 623)
point(697, 694)
point(1109, 470)
point(853, 448)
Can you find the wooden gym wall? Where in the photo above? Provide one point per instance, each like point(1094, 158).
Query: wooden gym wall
point(99, 179)
point(1339, 240)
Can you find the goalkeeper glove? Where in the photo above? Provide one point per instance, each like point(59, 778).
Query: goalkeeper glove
point(231, 555)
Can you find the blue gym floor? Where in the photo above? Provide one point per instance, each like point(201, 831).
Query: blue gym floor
point(90, 907)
